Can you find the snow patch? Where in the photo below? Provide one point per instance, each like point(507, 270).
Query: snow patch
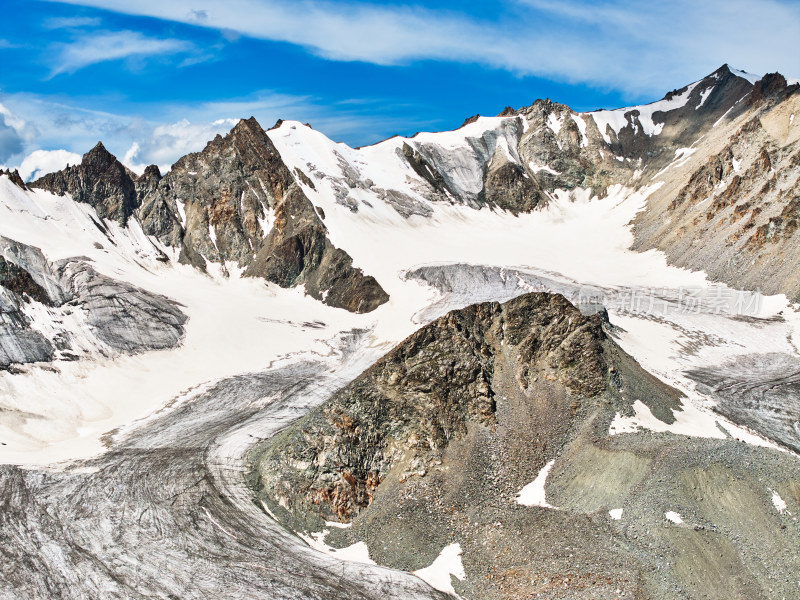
point(673, 517)
point(618, 119)
point(181, 205)
point(267, 221)
point(555, 123)
point(778, 502)
point(533, 494)
point(704, 96)
point(357, 552)
point(582, 128)
point(447, 564)
point(536, 168)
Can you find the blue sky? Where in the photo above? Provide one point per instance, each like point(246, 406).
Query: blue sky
point(155, 79)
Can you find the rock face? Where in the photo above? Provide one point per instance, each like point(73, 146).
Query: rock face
point(100, 181)
point(14, 176)
point(119, 317)
point(237, 201)
point(408, 407)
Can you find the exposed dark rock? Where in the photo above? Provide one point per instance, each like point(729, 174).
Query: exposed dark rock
point(772, 87)
point(420, 398)
point(14, 176)
point(17, 280)
point(508, 186)
point(100, 181)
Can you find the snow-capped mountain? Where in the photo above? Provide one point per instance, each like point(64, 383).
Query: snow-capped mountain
point(197, 312)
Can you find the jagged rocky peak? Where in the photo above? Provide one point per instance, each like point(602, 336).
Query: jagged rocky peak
point(236, 201)
point(772, 88)
point(432, 444)
point(100, 181)
point(733, 211)
point(14, 176)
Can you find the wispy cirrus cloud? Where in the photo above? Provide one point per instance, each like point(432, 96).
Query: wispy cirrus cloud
point(71, 22)
point(112, 45)
point(635, 45)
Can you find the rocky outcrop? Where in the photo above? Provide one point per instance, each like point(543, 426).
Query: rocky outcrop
point(507, 185)
point(46, 310)
point(404, 411)
point(17, 280)
point(14, 176)
point(100, 181)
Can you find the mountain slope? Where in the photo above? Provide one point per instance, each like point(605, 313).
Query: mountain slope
point(490, 429)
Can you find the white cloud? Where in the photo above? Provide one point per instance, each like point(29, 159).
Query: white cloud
point(633, 45)
point(105, 46)
point(171, 131)
point(41, 162)
point(166, 143)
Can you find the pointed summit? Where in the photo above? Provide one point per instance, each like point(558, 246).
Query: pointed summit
point(100, 181)
point(98, 157)
point(250, 124)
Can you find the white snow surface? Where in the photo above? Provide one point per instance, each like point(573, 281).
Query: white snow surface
point(357, 552)
point(582, 128)
point(778, 502)
point(751, 77)
point(447, 565)
point(673, 517)
point(533, 494)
